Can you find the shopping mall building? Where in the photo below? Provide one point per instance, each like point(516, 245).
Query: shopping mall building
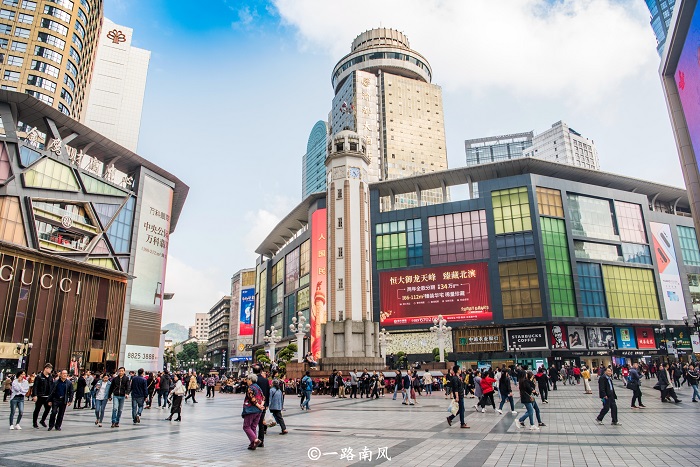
point(550, 263)
point(84, 232)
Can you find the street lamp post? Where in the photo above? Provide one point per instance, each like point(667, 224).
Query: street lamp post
point(662, 337)
point(23, 350)
point(384, 340)
point(299, 327)
point(442, 329)
point(272, 338)
point(515, 348)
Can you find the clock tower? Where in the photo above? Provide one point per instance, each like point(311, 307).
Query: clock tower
point(350, 332)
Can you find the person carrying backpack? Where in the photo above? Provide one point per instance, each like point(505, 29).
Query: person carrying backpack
point(307, 385)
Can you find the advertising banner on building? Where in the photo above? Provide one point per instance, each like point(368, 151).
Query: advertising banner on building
point(318, 278)
point(600, 338)
point(695, 340)
point(558, 337)
point(645, 338)
point(138, 356)
point(245, 327)
point(151, 245)
point(687, 76)
point(668, 270)
point(479, 340)
point(681, 338)
point(534, 338)
point(458, 293)
point(577, 337)
point(625, 338)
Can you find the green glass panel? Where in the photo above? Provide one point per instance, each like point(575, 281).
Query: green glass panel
point(93, 185)
point(51, 175)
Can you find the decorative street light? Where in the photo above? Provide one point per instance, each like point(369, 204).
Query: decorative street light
point(299, 327)
point(693, 322)
point(515, 348)
point(272, 338)
point(384, 340)
point(662, 338)
point(442, 329)
point(23, 350)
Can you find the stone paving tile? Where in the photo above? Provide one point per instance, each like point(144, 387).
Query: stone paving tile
point(211, 434)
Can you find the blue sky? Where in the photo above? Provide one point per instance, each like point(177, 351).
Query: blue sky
point(234, 88)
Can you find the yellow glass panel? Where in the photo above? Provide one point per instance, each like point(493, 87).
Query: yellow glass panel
point(51, 175)
point(11, 225)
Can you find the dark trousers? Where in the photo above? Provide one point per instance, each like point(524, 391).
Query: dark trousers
point(279, 419)
point(487, 399)
point(354, 391)
point(554, 384)
point(191, 395)
point(58, 409)
point(40, 402)
point(544, 392)
point(611, 406)
point(460, 412)
point(262, 428)
point(637, 396)
point(210, 391)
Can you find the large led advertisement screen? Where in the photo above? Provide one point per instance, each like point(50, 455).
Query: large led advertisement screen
point(668, 270)
point(318, 278)
point(688, 81)
point(245, 326)
point(417, 296)
point(152, 245)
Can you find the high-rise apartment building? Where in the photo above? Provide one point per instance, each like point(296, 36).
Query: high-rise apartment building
point(200, 330)
point(219, 320)
point(118, 85)
point(564, 145)
point(47, 50)
point(661, 13)
point(313, 177)
point(497, 148)
point(383, 92)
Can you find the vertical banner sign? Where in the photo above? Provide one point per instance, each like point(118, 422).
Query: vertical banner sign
point(319, 231)
point(245, 327)
point(152, 246)
point(668, 271)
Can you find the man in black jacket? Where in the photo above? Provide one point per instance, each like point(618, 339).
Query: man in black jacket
point(264, 385)
point(634, 383)
point(41, 391)
point(458, 392)
point(553, 376)
point(61, 395)
point(606, 391)
point(119, 390)
point(139, 392)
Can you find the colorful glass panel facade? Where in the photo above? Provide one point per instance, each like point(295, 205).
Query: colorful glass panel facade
point(689, 245)
point(399, 244)
point(11, 226)
point(520, 289)
point(549, 202)
point(458, 237)
point(630, 293)
point(511, 210)
point(590, 279)
point(51, 175)
point(558, 266)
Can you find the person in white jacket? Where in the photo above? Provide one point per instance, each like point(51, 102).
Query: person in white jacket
point(428, 383)
point(20, 388)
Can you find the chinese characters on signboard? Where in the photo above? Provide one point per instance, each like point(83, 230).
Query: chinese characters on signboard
point(318, 278)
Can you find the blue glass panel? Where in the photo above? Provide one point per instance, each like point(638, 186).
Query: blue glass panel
point(592, 291)
point(28, 156)
point(119, 232)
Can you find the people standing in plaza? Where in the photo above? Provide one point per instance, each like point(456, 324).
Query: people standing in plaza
point(192, 387)
point(693, 378)
point(664, 384)
point(428, 383)
point(606, 391)
point(526, 387)
point(7, 387)
point(586, 375)
point(353, 384)
point(60, 396)
point(458, 393)
point(151, 389)
point(211, 384)
point(164, 387)
point(364, 384)
point(89, 384)
point(19, 389)
point(41, 391)
point(118, 392)
point(276, 404)
point(506, 390)
point(80, 391)
point(178, 390)
point(634, 383)
point(264, 385)
point(407, 388)
point(543, 384)
point(398, 383)
point(101, 397)
point(307, 385)
point(139, 392)
point(253, 407)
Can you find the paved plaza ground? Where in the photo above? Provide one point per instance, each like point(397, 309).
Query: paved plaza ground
point(211, 434)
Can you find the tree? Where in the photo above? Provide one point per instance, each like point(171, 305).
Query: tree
point(189, 353)
point(436, 354)
point(169, 358)
point(401, 360)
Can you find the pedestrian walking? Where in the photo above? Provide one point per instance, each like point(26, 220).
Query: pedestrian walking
point(353, 384)
point(192, 387)
point(211, 383)
point(526, 387)
point(253, 407)
point(506, 390)
point(101, 397)
point(665, 386)
point(398, 383)
point(543, 384)
point(178, 390)
point(41, 391)
point(693, 378)
point(264, 385)
point(80, 391)
point(118, 392)
point(407, 388)
point(634, 384)
point(19, 389)
point(277, 404)
point(586, 375)
point(307, 385)
point(428, 383)
point(458, 393)
point(487, 390)
point(553, 376)
point(60, 396)
point(606, 392)
point(139, 393)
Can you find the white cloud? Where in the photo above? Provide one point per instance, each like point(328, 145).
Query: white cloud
point(260, 222)
point(577, 50)
point(245, 18)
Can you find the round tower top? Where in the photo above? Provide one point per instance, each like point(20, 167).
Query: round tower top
point(380, 37)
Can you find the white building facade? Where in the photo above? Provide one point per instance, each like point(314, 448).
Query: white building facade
point(564, 145)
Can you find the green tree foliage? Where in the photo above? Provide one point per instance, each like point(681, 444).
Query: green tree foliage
point(436, 354)
point(189, 353)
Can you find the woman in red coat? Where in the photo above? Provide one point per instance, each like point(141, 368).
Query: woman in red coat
point(487, 382)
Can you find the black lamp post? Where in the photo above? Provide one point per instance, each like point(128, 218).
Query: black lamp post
point(515, 348)
point(693, 322)
point(23, 350)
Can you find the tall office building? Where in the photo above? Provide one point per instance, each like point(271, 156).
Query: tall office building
point(118, 85)
point(48, 50)
point(313, 177)
point(497, 148)
point(661, 12)
point(383, 92)
point(200, 330)
point(564, 145)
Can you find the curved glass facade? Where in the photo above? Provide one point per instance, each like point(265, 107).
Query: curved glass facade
point(314, 161)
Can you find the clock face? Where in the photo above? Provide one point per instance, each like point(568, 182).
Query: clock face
point(354, 172)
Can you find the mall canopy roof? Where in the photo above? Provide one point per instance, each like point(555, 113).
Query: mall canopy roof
point(528, 165)
point(32, 111)
point(287, 227)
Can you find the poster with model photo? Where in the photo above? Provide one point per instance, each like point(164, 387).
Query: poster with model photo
point(558, 337)
point(600, 338)
point(668, 270)
point(577, 337)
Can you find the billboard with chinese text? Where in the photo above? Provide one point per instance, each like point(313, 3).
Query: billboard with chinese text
point(668, 270)
point(318, 278)
point(245, 326)
point(645, 338)
point(458, 293)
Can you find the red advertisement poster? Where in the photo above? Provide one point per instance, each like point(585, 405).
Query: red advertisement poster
point(318, 278)
point(645, 338)
point(458, 293)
